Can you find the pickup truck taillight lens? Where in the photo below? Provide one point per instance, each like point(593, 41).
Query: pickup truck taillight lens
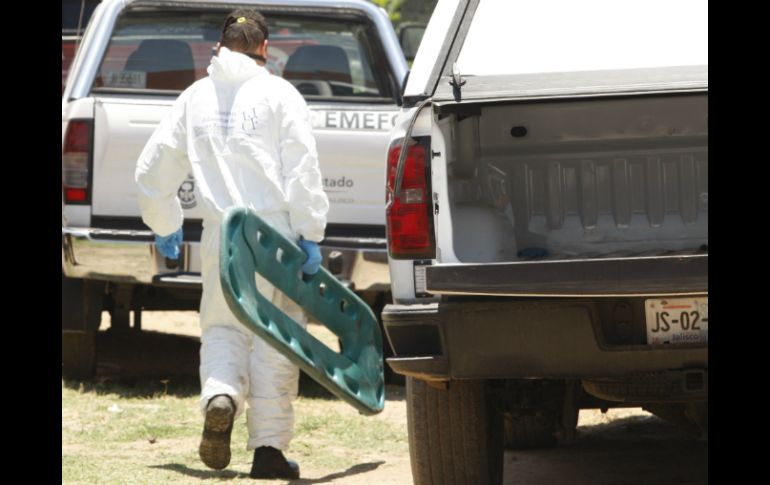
point(408, 213)
point(75, 159)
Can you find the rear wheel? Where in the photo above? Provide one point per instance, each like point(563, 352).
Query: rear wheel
point(81, 314)
point(455, 434)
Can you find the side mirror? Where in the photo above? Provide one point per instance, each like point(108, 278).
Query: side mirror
point(409, 36)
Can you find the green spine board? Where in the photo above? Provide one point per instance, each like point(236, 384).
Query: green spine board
point(356, 374)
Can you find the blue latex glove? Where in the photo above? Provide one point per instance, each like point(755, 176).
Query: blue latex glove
point(169, 245)
point(313, 252)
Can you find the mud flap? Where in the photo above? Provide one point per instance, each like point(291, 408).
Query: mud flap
point(249, 246)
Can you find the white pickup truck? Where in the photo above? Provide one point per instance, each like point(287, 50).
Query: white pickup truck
point(547, 223)
point(136, 57)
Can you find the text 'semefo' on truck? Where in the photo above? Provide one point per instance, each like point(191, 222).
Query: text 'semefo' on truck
point(547, 225)
point(135, 58)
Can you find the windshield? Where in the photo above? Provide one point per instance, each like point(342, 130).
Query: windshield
point(546, 36)
point(169, 50)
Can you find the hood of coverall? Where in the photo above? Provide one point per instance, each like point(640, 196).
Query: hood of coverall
point(233, 67)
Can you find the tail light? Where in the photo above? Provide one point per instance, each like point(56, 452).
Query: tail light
point(408, 213)
point(76, 161)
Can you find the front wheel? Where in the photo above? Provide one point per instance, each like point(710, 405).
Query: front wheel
point(455, 434)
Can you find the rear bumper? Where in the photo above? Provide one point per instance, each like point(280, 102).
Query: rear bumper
point(126, 256)
point(521, 338)
point(129, 256)
point(630, 276)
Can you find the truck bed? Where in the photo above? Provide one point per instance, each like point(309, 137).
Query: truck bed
point(629, 179)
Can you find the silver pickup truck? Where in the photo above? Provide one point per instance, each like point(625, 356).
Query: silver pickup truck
point(136, 57)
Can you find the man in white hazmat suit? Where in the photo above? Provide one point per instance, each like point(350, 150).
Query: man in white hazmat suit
point(246, 137)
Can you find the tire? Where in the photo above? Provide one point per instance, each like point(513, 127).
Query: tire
point(455, 435)
point(528, 432)
point(81, 315)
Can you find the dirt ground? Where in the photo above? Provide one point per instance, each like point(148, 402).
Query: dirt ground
point(623, 446)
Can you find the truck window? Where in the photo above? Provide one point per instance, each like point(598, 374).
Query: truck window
point(75, 15)
point(169, 50)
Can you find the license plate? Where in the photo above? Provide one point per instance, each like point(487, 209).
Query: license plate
point(673, 321)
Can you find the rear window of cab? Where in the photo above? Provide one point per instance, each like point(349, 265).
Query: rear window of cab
point(152, 50)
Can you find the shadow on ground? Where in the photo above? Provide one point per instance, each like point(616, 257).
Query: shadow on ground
point(231, 474)
point(632, 450)
point(353, 470)
point(201, 474)
point(145, 364)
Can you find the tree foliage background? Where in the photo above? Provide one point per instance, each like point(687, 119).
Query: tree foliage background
point(393, 7)
point(401, 11)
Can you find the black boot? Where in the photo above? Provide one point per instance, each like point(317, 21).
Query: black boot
point(269, 462)
point(214, 449)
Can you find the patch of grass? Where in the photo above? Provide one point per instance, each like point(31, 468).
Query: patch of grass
point(345, 430)
point(343, 436)
point(147, 432)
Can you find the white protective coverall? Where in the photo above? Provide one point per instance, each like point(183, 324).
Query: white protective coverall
point(246, 137)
